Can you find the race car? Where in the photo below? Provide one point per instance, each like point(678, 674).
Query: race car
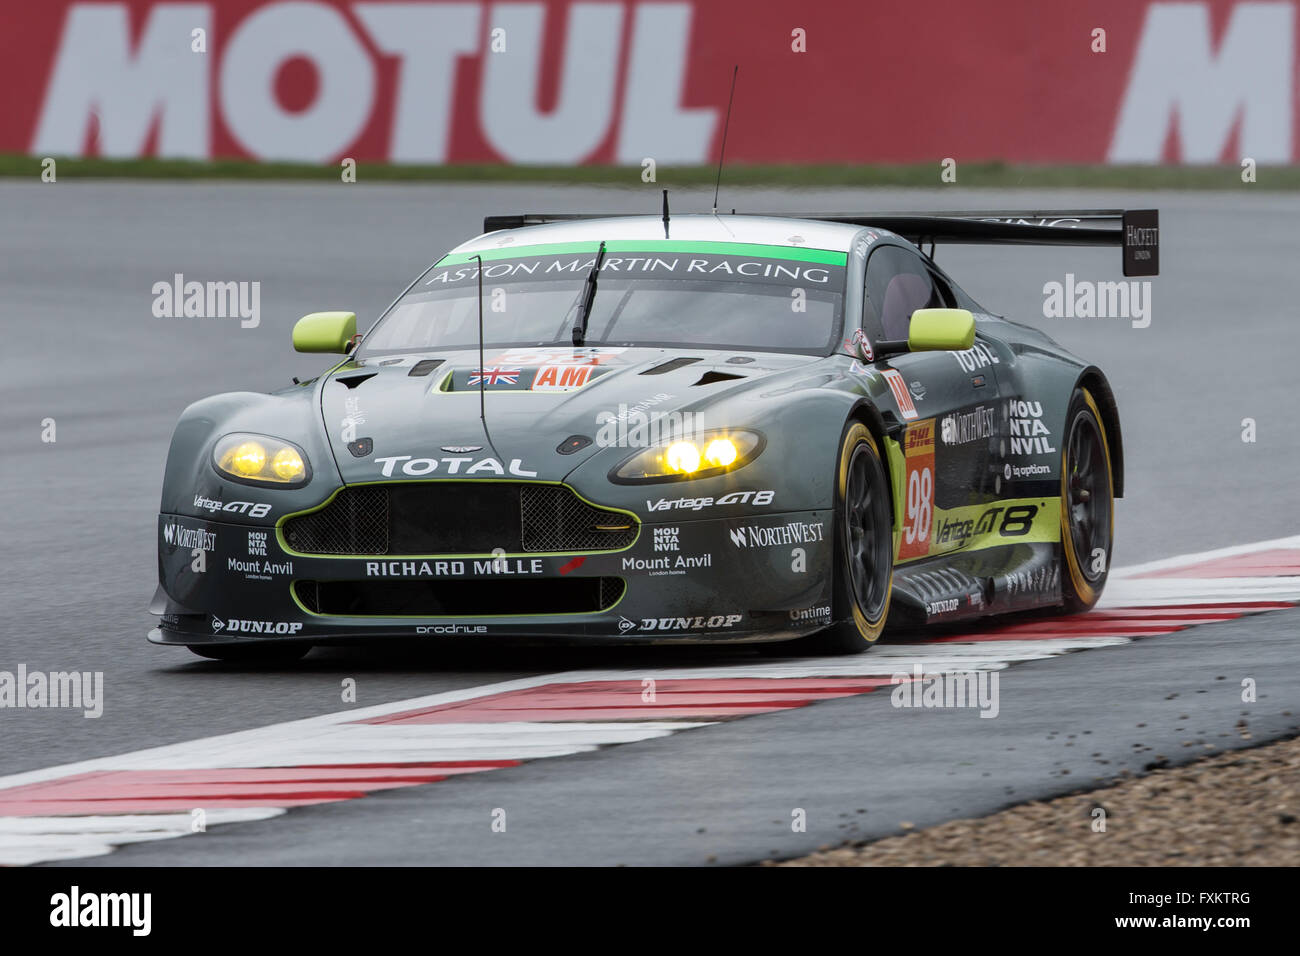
point(697, 428)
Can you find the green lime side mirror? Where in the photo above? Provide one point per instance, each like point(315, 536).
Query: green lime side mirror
point(941, 330)
point(325, 332)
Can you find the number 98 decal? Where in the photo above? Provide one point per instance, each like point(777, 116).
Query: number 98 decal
point(920, 498)
point(918, 453)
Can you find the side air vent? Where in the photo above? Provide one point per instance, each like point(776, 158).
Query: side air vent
point(670, 366)
point(352, 381)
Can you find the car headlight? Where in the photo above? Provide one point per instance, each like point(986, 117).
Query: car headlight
point(261, 460)
point(700, 456)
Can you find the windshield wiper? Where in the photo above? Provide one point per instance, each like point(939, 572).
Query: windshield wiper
point(588, 297)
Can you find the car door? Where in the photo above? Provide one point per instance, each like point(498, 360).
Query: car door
point(951, 432)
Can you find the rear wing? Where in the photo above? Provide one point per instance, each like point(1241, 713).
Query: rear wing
point(1135, 231)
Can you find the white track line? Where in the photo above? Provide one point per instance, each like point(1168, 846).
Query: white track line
point(26, 840)
point(1169, 592)
point(1200, 557)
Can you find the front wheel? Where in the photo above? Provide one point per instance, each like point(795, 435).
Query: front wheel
point(864, 548)
point(1087, 504)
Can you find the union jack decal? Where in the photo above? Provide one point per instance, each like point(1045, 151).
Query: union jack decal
point(496, 375)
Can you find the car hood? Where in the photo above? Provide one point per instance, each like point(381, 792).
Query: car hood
point(417, 417)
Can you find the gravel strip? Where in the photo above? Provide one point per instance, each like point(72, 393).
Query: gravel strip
point(1235, 809)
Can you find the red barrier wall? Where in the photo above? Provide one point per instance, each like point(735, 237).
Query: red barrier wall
point(616, 82)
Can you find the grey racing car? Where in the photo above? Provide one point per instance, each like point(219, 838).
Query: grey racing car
point(712, 428)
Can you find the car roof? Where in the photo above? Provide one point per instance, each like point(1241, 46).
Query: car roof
point(762, 230)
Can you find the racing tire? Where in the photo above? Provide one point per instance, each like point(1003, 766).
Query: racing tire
point(863, 573)
point(284, 653)
point(1087, 504)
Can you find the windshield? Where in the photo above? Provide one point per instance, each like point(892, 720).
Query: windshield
point(652, 293)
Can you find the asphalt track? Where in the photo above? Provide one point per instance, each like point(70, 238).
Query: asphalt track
point(77, 263)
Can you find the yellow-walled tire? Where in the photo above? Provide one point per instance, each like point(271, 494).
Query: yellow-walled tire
point(864, 547)
point(1087, 504)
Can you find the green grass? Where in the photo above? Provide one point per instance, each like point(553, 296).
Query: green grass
point(986, 175)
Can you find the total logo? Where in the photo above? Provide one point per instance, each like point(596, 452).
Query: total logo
point(249, 508)
point(976, 357)
point(415, 467)
point(238, 626)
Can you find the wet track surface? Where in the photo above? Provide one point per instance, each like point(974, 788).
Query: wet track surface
point(77, 264)
point(858, 767)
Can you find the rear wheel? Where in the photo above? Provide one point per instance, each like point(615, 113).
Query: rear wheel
point(285, 653)
point(1087, 504)
point(864, 548)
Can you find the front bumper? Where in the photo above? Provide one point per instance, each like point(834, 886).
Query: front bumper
point(743, 578)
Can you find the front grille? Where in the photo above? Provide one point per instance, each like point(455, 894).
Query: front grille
point(463, 597)
point(355, 522)
point(450, 517)
point(553, 518)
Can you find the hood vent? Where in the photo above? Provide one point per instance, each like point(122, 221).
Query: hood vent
point(671, 365)
point(708, 378)
point(424, 366)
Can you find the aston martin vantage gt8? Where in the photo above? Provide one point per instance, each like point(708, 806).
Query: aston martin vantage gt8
point(733, 428)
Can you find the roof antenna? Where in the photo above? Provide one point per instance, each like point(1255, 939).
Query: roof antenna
point(665, 214)
point(482, 372)
point(725, 126)
point(482, 376)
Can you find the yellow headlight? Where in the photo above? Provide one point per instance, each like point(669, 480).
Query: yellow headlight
point(683, 456)
point(707, 454)
point(287, 463)
point(261, 459)
point(721, 452)
point(248, 459)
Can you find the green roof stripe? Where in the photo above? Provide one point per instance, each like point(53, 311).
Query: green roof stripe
point(752, 250)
